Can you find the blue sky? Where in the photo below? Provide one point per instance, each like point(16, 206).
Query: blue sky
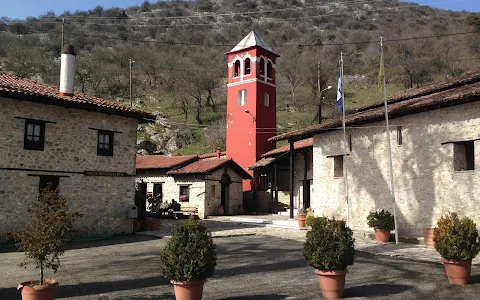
point(23, 8)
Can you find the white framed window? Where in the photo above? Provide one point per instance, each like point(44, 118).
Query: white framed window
point(266, 100)
point(242, 97)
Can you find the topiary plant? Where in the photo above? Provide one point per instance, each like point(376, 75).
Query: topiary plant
point(309, 221)
point(190, 254)
point(330, 245)
point(381, 220)
point(455, 238)
point(44, 236)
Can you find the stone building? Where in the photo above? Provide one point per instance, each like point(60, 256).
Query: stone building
point(435, 150)
point(273, 169)
point(83, 146)
point(203, 181)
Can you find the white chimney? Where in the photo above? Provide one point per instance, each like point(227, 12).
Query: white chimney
point(67, 70)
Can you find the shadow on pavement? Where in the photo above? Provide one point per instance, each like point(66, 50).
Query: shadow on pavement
point(474, 279)
point(375, 290)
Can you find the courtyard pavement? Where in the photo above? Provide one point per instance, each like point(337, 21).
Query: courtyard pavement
point(222, 227)
point(249, 267)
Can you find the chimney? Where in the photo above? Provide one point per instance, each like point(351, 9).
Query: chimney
point(67, 70)
point(219, 153)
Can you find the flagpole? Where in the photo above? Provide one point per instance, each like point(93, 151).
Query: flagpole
point(389, 146)
point(345, 179)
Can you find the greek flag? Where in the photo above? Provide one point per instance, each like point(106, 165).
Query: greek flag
point(340, 92)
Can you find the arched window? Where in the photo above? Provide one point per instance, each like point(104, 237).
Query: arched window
point(236, 71)
point(269, 70)
point(247, 66)
point(262, 67)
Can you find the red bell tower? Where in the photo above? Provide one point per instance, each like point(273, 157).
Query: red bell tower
point(251, 102)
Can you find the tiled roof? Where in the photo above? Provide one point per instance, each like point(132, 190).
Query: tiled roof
point(252, 40)
point(285, 148)
point(208, 166)
point(163, 161)
point(211, 155)
point(26, 89)
point(263, 162)
point(468, 91)
point(426, 90)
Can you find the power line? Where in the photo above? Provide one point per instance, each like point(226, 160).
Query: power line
point(276, 46)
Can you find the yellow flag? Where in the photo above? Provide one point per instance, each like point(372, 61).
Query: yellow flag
point(380, 76)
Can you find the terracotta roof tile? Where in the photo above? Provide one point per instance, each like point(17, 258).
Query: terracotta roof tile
point(285, 148)
point(208, 166)
point(469, 92)
point(163, 161)
point(26, 89)
point(211, 155)
point(263, 162)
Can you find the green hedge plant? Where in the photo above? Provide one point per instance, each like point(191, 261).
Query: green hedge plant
point(309, 221)
point(330, 245)
point(381, 220)
point(190, 254)
point(43, 238)
point(456, 238)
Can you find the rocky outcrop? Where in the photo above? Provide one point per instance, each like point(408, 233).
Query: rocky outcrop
point(161, 137)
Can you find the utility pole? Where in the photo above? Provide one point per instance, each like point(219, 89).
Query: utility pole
point(131, 64)
point(319, 93)
point(63, 31)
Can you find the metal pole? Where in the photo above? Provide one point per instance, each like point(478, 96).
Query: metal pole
point(63, 33)
point(131, 101)
point(345, 175)
point(319, 93)
point(389, 146)
point(292, 172)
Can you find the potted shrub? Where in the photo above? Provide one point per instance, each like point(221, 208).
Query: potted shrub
point(301, 217)
point(330, 248)
point(43, 239)
point(382, 221)
point(457, 242)
point(309, 221)
point(189, 259)
point(154, 204)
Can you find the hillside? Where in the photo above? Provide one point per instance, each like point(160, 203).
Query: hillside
point(180, 69)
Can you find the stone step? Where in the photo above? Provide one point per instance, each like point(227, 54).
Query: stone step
point(250, 220)
point(286, 226)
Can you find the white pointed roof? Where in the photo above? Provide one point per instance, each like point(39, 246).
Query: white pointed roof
point(252, 40)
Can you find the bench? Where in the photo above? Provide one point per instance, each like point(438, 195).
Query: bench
point(187, 210)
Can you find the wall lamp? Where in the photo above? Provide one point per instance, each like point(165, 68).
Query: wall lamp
point(253, 117)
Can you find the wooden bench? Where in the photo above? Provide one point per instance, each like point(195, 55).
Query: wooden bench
point(187, 210)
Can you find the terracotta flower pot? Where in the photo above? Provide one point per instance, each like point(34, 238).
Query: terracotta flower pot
point(428, 236)
point(137, 225)
point(301, 218)
point(332, 283)
point(382, 236)
point(220, 210)
point(188, 290)
point(154, 224)
point(458, 272)
point(38, 292)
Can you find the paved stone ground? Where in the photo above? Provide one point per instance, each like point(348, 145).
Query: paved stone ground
point(221, 227)
point(249, 267)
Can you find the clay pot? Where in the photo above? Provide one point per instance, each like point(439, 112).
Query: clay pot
point(188, 290)
point(220, 210)
point(154, 224)
point(301, 218)
point(38, 292)
point(137, 226)
point(428, 236)
point(332, 283)
point(382, 236)
point(458, 272)
point(240, 209)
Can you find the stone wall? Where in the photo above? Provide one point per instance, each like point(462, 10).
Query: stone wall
point(70, 149)
point(205, 191)
point(426, 184)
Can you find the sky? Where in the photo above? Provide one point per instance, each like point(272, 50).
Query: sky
point(20, 9)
